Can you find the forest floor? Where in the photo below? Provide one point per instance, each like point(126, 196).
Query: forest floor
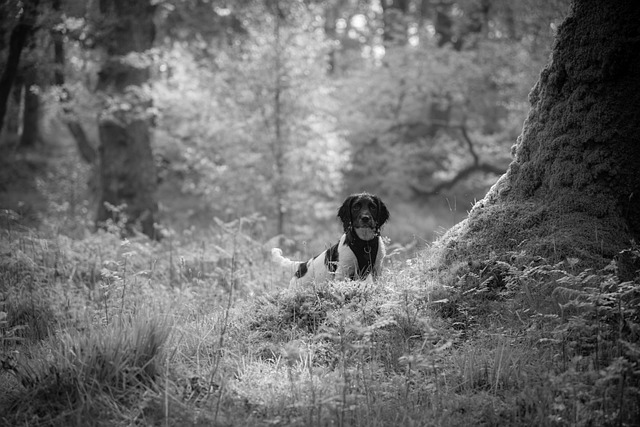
point(201, 329)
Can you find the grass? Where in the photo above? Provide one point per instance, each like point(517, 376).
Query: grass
point(202, 330)
point(89, 374)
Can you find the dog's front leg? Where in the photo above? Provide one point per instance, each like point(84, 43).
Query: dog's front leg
point(347, 263)
point(376, 269)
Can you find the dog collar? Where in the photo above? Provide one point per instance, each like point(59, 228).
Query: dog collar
point(365, 234)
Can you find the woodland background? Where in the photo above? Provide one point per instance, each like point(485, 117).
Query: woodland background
point(280, 109)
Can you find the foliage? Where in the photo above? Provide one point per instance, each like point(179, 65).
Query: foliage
point(407, 117)
point(224, 146)
point(586, 321)
point(259, 105)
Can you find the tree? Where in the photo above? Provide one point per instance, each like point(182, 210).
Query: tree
point(431, 111)
point(572, 187)
point(86, 150)
point(394, 21)
point(246, 126)
point(27, 15)
point(31, 112)
point(126, 168)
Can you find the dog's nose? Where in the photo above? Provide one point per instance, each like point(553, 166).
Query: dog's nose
point(366, 218)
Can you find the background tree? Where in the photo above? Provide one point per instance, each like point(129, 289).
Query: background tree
point(572, 187)
point(127, 169)
point(430, 120)
point(264, 136)
point(26, 15)
point(394, 21)
point(40, 73)
point(64, 96)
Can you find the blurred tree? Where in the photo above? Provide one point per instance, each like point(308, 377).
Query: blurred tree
point(42, 63)
point(394, 18)
point(572, 188)
point(126, 165)
point(31, 111)
point(422, 117)
point(25, 15)
point(59, 32)
point(207, 25)
point(435, 112)
point(277, 141)
point(331, 12)
point(254, 119)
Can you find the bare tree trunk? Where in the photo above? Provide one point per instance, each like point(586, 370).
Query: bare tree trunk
point(278, 143)
point(12, 118)
point(394, 20)
point(86, 150)
point(573, 188)
point(330, 17)
point(31, 114)
point(127, 170)
point(17, 41)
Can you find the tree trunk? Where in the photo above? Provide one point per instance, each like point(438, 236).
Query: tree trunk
point(395, 21)
point(12, 125)
point(278, 144)
point(31, 114)
point(330, 17)
point(17, 41)
point(573, 188)
point(86, 150)
point(127, 170)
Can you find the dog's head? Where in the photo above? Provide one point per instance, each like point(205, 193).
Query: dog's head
point(363, 211)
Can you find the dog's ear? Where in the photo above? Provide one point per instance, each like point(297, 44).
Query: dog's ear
point(383, 212)
point(344, 213)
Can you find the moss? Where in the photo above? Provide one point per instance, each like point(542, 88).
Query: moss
point(570, 191)
point(532, 229)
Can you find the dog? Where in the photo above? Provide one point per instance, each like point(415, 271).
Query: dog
point(358, 253)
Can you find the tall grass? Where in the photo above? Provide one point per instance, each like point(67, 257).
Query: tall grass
point(201, 330)
point(77, 377)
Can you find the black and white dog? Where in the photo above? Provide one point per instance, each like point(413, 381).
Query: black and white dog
point(358, 253)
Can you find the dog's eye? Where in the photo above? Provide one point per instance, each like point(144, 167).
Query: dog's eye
point(356, 207)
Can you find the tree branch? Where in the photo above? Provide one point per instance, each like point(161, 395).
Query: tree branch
point(464, 173)
point(450, 183)
point(472, 151)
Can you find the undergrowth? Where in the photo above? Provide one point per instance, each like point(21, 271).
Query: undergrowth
point(200, 329)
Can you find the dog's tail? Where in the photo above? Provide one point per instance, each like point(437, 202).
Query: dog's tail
point(276, 256)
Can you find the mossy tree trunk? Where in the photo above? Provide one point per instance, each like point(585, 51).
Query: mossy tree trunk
point(573, 188)
point(126, 166)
